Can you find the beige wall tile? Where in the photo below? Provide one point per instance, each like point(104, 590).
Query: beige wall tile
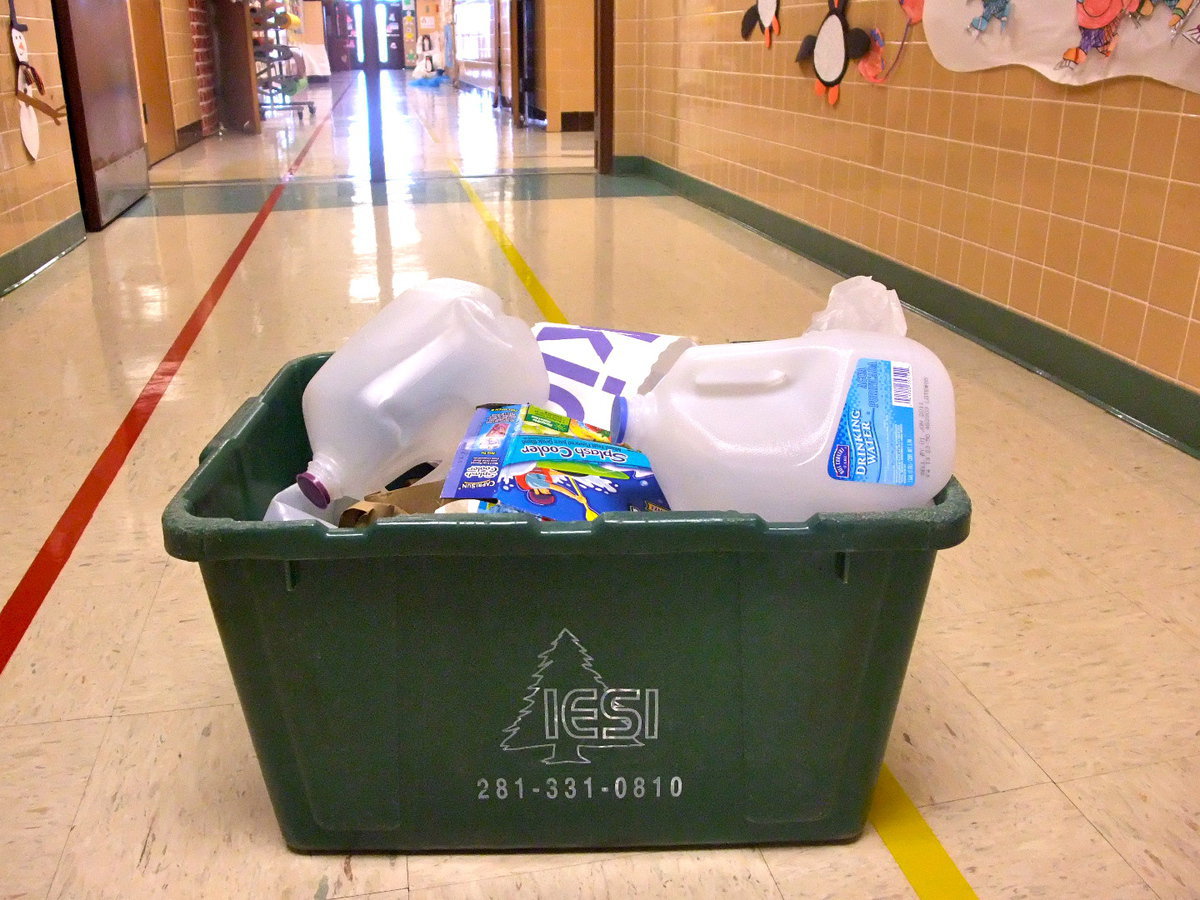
point(1003, 226)
point(1032, 234)
point(1135, 264)
point(1184, 168)
point(1038, 187)
point(1026, 286)
point(1078, 134)
point(1159, 96)
point(1145, 197)
point(1173, 286)
point(1123, 326)
point(997, 277)
point(1054, 303)
point(1045, 126)
point(1189, 370)
point(1063, 238)
point(1114, 143)
point(1106, 197)
point(1154, 143)
point(1163, 338)
point(1183, 199)
point(1097, 255)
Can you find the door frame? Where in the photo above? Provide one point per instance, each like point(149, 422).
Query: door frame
point(605, 49)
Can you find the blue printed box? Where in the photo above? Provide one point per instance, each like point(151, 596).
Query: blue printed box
point(529, 460)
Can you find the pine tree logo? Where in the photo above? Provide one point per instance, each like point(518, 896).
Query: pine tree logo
point(568, 707)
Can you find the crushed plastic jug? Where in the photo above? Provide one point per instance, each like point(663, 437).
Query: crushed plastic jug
point(831, 421)
point(402, 389)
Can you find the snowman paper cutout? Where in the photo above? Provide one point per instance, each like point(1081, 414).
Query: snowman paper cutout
point(29, 82)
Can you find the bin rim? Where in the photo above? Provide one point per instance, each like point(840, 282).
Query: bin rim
point(197, 538)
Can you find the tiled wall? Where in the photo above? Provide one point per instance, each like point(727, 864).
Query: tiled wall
point(1074, 206)
point(566, 80)
point(34, 196)
point(181, 62)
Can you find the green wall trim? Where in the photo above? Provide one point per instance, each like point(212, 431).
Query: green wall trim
point(21, 263)
point(1163, 408)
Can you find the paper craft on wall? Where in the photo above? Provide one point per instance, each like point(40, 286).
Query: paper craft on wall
point(764, 15)
point(1071, 41)
point(832, 48)
point(28, 81)
point(873, 66)
point(993, 10)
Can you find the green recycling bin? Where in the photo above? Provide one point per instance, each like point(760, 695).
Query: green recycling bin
point(455, 682)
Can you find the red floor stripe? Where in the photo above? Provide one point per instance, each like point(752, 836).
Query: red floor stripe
point(25, 601)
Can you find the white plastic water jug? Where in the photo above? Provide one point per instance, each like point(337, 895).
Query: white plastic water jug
point(402, 389)
point(832, 421)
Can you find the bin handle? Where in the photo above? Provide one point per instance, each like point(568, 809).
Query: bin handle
point(233, 427)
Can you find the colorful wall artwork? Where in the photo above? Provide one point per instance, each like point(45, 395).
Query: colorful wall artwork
point(1070, 41)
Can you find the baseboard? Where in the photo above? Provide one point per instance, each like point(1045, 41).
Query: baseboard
point(1163, 408)
point(189, 134)
point(578, 121)
point(21, 263)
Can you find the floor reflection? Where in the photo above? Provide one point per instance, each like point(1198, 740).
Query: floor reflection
point(427, 131)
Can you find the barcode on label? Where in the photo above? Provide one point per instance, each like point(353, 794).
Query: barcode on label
point(901, 384)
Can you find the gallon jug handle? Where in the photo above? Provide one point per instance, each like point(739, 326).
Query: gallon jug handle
point(733, 379)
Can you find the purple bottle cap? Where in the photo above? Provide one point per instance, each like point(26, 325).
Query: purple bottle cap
point(312, 488)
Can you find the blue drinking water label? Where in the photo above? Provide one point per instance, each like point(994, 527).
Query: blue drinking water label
point(876, 438)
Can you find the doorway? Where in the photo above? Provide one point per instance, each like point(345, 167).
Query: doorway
point(389, 29)
point(154, 82)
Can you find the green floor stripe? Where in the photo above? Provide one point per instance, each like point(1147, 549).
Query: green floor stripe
point(246, 197)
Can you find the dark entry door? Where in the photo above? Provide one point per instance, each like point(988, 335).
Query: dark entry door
point(105, 114)
point(387, 35)
point(527, 64)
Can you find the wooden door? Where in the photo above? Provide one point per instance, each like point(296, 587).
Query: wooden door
point(104, 112)
point(237, 87)
point(154, 82)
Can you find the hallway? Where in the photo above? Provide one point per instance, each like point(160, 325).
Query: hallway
point(1048, 728)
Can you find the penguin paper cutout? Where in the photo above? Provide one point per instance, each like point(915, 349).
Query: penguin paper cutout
point(832, 48)
point(765, 15)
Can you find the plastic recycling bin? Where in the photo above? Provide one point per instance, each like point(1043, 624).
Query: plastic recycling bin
point(437, 682)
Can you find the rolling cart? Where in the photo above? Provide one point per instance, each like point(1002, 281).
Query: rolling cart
point(278, 69)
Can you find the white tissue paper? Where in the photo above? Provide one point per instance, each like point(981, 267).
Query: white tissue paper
point(861, 304)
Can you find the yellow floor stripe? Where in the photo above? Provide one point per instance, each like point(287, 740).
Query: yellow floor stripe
point(916, 849)
point(541, 296)
point(908, 837)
